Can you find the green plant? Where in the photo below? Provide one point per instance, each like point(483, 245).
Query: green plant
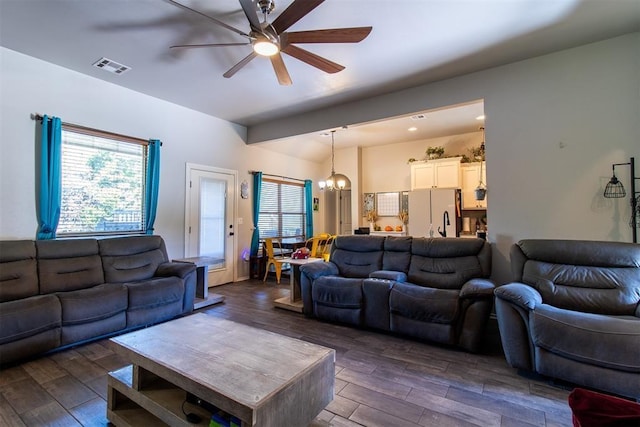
point(477, 153)
point(434, 152)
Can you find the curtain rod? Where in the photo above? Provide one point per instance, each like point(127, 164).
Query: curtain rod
point(277, 176)
point(92, 131)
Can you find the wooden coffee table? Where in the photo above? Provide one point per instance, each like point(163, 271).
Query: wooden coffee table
point(263, 378)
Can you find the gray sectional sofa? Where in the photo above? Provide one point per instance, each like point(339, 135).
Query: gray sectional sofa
point(573, 313)
point(58, 293)
point(431, 289)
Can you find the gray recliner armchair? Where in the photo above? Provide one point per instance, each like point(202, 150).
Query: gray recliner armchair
point(573, 313)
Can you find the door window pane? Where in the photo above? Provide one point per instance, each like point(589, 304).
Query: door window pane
point(212, 217)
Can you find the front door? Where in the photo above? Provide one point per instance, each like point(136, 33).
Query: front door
point(210, 210)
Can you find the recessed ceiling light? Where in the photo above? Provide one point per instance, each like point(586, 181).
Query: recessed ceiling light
point(412, 129)
point(480, 117)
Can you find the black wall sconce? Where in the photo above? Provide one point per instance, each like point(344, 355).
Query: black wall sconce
point(615, 190)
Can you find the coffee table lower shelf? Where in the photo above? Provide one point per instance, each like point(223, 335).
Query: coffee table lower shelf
point(158, 404)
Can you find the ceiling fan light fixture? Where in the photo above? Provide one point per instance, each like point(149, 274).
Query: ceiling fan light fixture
point(265, 47)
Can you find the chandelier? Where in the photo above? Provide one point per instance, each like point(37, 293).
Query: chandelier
point(335, 181)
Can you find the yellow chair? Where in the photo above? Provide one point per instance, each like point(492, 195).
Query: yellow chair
point(272, 259)
point(326, 249)
point(317, 244)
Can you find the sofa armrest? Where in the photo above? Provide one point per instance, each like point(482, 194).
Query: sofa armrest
point(315, 270)
point(519, 294)
point(477, 288)
point(397, 276)
point(308, 274)
point(178, 269)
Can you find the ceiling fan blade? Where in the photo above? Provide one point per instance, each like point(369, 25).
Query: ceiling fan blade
point(218, 22)
point(189, 46)
point(281, 70)
point(313, 59)
point(249, 8)
point(294, 13)
point(335, 35)
point(239, 65)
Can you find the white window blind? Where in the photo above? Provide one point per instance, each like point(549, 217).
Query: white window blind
point(282, 212)
point(102, 185)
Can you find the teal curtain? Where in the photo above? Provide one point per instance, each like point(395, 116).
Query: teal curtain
point(308, 207)
point(257, 188)
point(152, 184)
point(50, 185)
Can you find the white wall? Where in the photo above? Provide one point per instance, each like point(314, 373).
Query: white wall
point(555, 125)
point(379, 160)
point(385, 168)
point(32, 86)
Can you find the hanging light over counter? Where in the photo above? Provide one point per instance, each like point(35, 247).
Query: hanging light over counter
point(335, 181)
point(481, 189)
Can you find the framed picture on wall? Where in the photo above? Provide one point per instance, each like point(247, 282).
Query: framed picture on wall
point(388, 204)
point(368, 203)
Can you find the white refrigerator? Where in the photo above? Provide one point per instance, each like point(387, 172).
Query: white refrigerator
point(434, 213)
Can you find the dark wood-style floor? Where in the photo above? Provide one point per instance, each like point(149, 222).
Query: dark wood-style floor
point(381, 380)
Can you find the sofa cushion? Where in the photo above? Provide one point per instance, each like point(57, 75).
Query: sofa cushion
point(93, 304)
point(130, 259)
point(448, 263)
point(443, 273)
point(338, 299)
point(338, 292)
point(397, 254)
point(604, 290)
point(607, 341)
point(18, 270)
point(154, 292)
point(424, 304)
point(357, 256)
point(581, 275)
point(27, 317)
point(67, 265)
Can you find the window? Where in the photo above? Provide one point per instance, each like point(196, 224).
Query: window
point(103, 183)
point(282, 212)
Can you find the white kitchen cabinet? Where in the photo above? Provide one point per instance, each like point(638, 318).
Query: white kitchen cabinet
point(438, 173)
point(470, 173)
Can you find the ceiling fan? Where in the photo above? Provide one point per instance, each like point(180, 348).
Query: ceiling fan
point(272, 39)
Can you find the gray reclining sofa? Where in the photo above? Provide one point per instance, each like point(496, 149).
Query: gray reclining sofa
point(431, 289)
point(573, 313)
point(58, 293)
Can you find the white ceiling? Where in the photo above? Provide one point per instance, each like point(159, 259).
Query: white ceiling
point(413, 42)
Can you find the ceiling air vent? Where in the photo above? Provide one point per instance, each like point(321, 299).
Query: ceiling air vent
point(419, 117)
point(111, 66)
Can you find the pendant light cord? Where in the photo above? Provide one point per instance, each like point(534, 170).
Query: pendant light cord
point(333, 171)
